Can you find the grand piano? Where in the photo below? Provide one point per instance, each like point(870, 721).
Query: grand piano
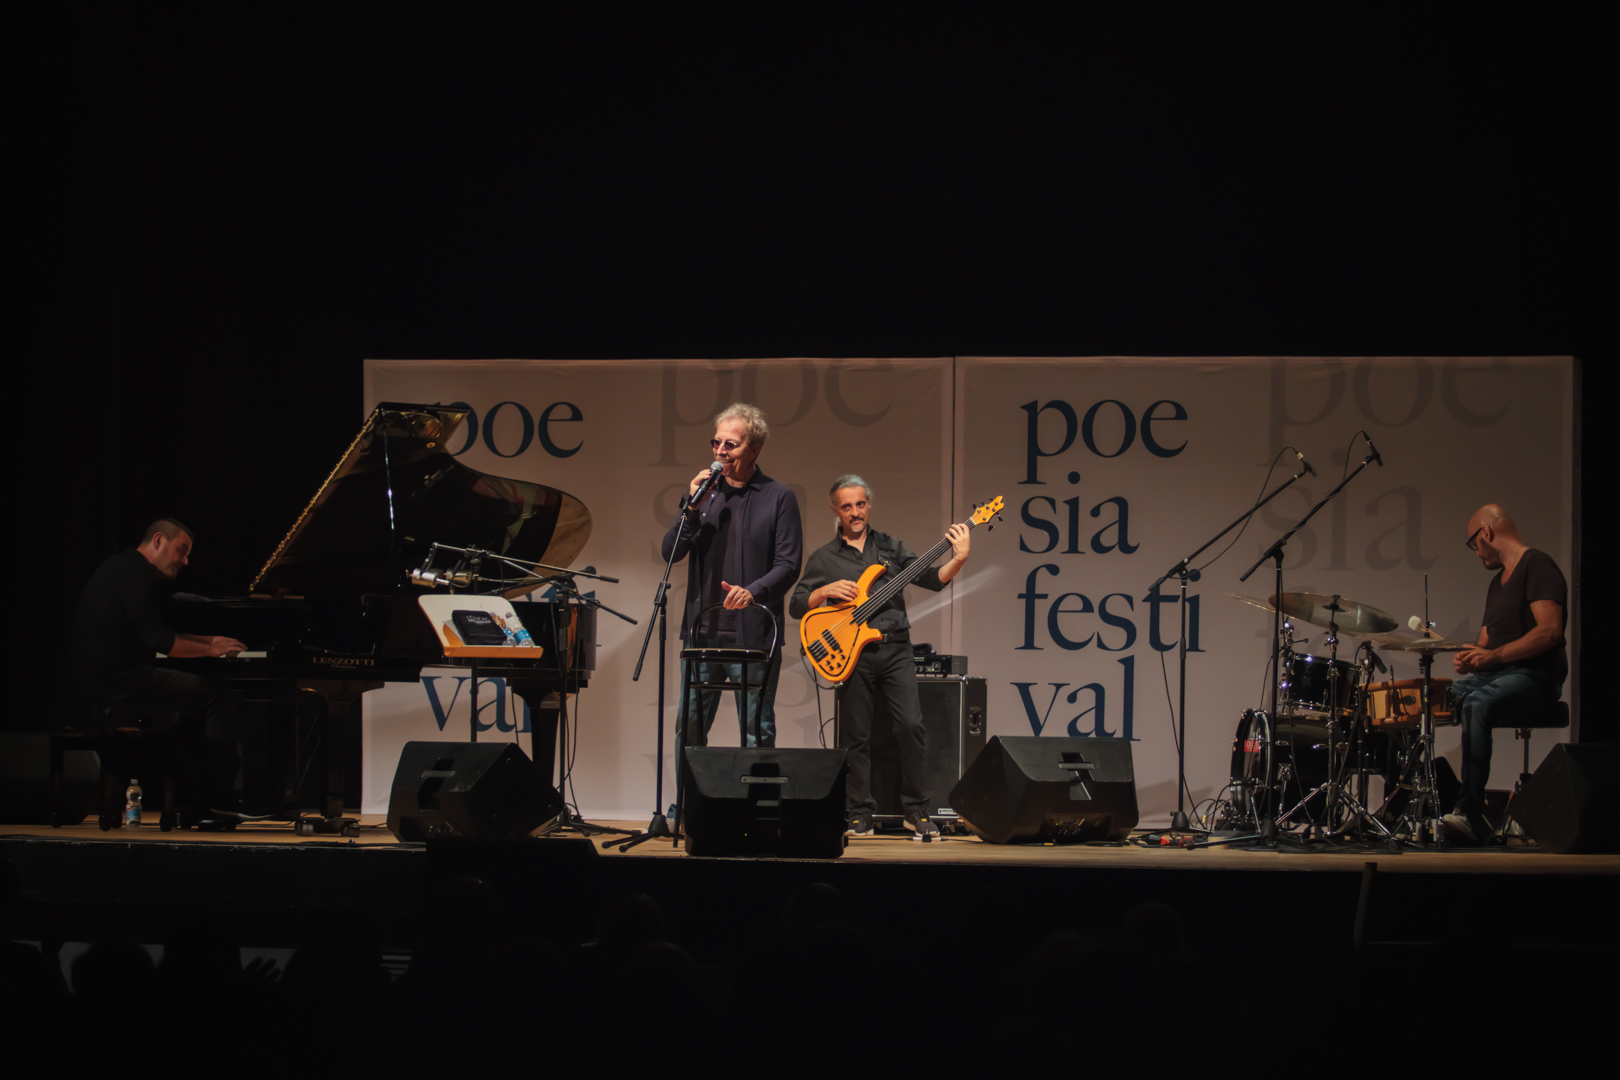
point(334, 615)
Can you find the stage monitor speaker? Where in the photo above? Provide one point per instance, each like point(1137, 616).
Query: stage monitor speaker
point(764, 802)
point(954, 720)
point(1571, 804)
point(468, 789)
point(1049, 790)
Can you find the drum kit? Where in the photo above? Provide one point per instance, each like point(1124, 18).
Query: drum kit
point(1305, 762)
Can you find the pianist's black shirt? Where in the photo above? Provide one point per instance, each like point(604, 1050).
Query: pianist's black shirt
point(120, 622)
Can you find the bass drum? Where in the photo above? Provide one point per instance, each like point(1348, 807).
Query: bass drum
point(1275, 764)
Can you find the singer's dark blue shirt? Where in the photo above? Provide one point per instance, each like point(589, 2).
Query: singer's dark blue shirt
point(749, 536)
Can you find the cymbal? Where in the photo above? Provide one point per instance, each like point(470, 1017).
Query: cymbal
point(1253, 601)
point(1321, 609)
point(1387, 641)
point(1429, 645)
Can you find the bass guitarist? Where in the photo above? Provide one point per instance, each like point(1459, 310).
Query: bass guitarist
point(885, 669)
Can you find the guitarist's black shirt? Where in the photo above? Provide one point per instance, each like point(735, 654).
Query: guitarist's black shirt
point(838, 561)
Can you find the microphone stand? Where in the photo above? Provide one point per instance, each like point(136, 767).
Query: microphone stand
point(1179, 822)
point(568, 594)
point(658, 827)
point(472, 579)
point(1275, 554)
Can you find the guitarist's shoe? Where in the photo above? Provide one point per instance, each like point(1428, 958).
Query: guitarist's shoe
point(921, 828)
point(860, 824)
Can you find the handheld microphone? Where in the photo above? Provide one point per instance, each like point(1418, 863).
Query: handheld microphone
point(715, 470)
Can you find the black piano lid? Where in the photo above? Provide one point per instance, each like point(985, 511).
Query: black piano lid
point(347, 541)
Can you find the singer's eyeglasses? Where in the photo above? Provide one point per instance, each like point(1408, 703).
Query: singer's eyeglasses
point(1471, 538)
point(728, 446)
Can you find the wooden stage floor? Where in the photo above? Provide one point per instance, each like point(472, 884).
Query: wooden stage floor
point(272, 886)
point(966, 850)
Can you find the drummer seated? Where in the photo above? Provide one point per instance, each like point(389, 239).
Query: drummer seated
point(1518, 665)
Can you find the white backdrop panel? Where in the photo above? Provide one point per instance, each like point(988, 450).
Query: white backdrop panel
point(1114, 469)
point(1051, 609)
point(625, 437)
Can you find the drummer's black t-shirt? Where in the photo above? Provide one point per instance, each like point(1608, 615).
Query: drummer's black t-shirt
point(1507, 609)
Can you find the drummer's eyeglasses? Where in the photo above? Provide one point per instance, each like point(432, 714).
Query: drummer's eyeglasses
point(728, 446)
point(1472, 536)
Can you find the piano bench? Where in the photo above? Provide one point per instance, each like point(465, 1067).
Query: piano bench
point(132, 737)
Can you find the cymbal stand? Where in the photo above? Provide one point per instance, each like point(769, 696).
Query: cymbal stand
point(1330, 785)
point(1423, 812)
point(1353, 804)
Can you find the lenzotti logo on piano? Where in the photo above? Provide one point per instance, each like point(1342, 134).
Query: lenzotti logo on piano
point(346, 661)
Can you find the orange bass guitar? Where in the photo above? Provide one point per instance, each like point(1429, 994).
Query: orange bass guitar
point(834, 635)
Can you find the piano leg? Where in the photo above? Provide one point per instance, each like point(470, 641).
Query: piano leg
point(550, 745)
point(340, 716)
point(544, 711)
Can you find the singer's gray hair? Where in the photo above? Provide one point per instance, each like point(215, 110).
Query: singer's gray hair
point(753, 420)
point(849, 480)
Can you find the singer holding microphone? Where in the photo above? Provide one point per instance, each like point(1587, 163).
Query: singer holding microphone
point(744, 545)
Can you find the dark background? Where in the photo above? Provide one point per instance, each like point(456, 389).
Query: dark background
point(240, 206)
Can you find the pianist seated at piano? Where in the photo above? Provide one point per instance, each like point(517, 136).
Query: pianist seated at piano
point(119, 630)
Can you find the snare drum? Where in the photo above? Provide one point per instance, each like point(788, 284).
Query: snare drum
point(1399, 703)
point(1307, 686)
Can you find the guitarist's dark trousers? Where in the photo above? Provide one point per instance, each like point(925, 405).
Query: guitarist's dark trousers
point(885, 671)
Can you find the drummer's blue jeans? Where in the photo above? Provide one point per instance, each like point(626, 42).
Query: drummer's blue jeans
point(699, 706)
point(1499, 698)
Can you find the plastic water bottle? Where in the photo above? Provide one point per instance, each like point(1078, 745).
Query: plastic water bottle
point(516, 635)
point(132, 803)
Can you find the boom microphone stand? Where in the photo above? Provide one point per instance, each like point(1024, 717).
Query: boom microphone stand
point(1275, 553)
point(467, 574)
point(1182, 570)
point(659, 825)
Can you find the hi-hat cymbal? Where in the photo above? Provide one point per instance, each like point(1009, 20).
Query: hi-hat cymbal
point(1321, 609)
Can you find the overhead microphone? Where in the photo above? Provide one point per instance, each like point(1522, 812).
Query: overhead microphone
point(1376, 456)
point(434, 578)
point(1305, 463)
point(1374, 661)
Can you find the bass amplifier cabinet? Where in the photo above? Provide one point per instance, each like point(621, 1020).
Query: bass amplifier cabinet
point(953, 710)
